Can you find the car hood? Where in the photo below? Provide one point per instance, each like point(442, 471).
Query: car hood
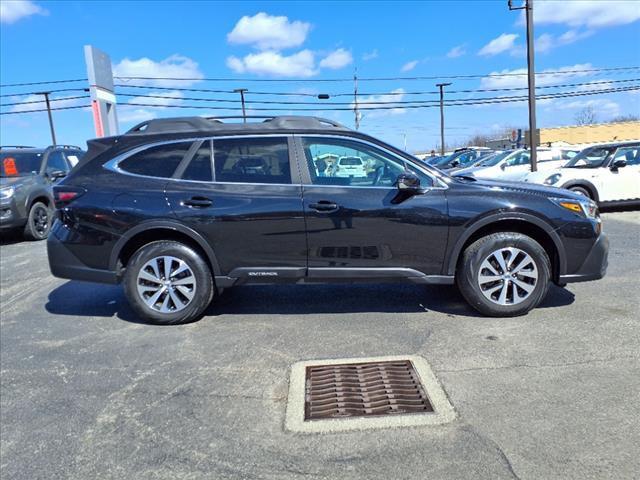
point(13, 181)
point(526, 188)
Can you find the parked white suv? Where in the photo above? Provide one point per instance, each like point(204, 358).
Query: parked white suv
point(608, 174)
point(347, 167)
point(514, 165)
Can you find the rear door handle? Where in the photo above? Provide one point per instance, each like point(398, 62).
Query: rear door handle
point(198, 202)
point(324, 206)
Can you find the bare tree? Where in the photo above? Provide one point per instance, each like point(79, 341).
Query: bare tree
point(586, 116)
point(625, 118)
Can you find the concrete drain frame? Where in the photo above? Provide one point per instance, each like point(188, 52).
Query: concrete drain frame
point(443, 411)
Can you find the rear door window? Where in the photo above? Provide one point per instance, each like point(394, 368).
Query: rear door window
point(252, 160)
point(159, 161)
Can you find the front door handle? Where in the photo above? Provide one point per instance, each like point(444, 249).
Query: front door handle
point(198, 202)
point(324, 206)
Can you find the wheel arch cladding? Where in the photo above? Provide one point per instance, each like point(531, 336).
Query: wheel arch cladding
point(532, 227)
point(153, 231)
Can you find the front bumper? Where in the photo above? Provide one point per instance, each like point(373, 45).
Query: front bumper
point(64, 264)
point(10, 217)
point(595, 264)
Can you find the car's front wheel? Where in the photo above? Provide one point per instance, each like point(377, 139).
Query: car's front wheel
point(38, 222)
point(168, 283)
point(504, 274)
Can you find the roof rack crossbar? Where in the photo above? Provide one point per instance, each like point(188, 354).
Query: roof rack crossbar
point(15, 146)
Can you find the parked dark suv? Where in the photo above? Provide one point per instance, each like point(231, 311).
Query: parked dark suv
point(26, 176)
point(179, 209)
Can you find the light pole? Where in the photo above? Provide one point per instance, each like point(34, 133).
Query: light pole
point(241, 92)
point(531, 75)
point(441, 87)
point(46, 99)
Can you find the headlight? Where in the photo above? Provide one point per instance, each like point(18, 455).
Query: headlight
point(584, 207)
point(7, 192)
point(553, 179)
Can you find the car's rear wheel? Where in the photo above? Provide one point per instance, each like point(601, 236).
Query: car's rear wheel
point(504, 274)
point(38, 222)
point(168, 283)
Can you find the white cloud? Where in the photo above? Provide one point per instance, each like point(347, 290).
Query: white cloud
point(586, 13)
point(175, 66)
point(339, 58)
point(301, 64)
point(457, 51)
point(518, 77)
point(547, 41)
point(407, 67)
point(394, 96)
point(370, 55)
point(268, 32)
point(39, 103)
point(130, 114)
point(13, 10)
point(603, 107)
point(503, 43)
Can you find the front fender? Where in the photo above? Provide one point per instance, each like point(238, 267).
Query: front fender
point(496, 217)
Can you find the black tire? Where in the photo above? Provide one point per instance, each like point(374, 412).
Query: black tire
point(203, 288)
point(469, 269)
point(38, 222)
point(581, 191)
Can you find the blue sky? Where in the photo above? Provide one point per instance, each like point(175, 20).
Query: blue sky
point(314, 41)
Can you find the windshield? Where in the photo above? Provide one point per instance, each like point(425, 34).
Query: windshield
point(593, 157)
point(20, 164)
point(493, 159)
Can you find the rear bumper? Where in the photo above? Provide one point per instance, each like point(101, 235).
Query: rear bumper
point(64, 264)
point(594, 266)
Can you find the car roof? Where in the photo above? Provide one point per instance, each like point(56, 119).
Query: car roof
point(215, 126)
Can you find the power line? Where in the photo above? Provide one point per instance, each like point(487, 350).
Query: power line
point(350, 94)
point(42, 83)
point(360, 102)
point(51, 91)
point(345, 79)
point(389, 106)
point(41, 101)
point(43, 110)
point(459, 102)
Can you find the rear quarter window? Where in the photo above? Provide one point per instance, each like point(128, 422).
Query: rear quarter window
point(159, 161)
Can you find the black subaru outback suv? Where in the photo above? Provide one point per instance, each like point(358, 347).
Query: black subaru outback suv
point(179, 209)
point(26, 176)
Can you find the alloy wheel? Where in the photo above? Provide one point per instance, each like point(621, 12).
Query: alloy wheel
point(166, 284)
point(508, 276)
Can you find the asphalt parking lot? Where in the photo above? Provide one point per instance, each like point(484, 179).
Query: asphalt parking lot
point(89, 392)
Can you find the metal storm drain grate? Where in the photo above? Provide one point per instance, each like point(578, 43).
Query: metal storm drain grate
point(364, 389)
point(361, 393)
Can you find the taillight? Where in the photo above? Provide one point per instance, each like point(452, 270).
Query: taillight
point(63, 195)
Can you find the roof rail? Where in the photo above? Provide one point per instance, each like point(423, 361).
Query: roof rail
point(207, 124)
point(15, 146)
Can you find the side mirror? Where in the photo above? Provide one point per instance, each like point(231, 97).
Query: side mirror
point(408, 185)
point(503, 166)
point(57, 174)
point(455, 163)
point(408, 181)
point(618, 164)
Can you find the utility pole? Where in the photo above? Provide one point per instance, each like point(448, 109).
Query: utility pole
point(244, 112)
point(356, 111)
point(53, 132)
point(531, 74)
point(441, 87)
